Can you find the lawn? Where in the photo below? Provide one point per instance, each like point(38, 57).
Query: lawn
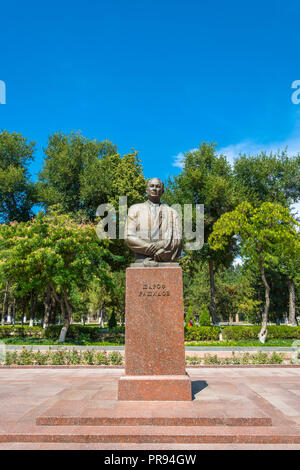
point(214, 344)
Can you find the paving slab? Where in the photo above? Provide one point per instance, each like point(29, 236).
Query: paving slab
point(230, 407)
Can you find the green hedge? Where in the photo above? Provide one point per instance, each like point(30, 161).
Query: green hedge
point(86, 333)
point(21, 331)
point(195, 333)
point(201, 333)
point(236, 333)
point(74, 332)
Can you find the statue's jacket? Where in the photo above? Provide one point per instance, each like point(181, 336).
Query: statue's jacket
point(148, 223)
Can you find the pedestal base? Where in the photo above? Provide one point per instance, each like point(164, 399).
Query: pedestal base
point(154, 342)
point(155, 387)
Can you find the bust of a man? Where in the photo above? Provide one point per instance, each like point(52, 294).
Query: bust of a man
point(153, 229)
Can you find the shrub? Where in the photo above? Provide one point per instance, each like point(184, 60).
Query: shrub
point(11, 358)
point(101, 358)
point(57, 358)
point(25, 357)
point(202, 333)
point(115, 358)
point(284, 332)
point(85, 334)
point(112, 322)
point(193, 360)
point(20, 331)
point(276, 358)
point(63, 357)
point(88, 357)
point(189, 316)
point(239, 332)
point(75, 357)
point(204, 319)
point(209, 359)
point(41, 358)
point(256, 358)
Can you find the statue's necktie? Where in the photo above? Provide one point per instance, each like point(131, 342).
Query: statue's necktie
point(155, 222)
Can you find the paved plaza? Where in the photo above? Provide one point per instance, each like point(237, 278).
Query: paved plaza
point(78, 409)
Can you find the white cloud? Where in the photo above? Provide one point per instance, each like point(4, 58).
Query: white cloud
point(250, 147)
point(178, 159)
point(296, 209)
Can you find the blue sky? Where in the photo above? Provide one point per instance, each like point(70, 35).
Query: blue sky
point(156, 76)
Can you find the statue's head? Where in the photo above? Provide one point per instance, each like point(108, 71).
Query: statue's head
point(155, 189)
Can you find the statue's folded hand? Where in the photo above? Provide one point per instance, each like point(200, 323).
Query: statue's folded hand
point(151, 249)
point(159, 254)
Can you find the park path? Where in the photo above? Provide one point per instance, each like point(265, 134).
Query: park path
point(27, 394)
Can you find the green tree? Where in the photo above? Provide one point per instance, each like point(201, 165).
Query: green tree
point(53, 250)
point(204, 319)
point(189, 316)
point(98, 299)
point(67, 159)
point(289, 265)
point(235, 291)
point(112, 321)
point(269, 178)
point(17, 192)
point(206, 179)
point(80, 174)
point(262, 232)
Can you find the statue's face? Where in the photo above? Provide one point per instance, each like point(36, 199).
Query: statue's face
point(154, 189)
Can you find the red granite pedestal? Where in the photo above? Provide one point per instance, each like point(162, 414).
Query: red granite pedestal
point(154, 346)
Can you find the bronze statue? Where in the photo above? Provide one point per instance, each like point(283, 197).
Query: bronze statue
point(153, 230)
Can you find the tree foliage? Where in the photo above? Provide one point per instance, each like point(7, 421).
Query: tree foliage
point(53, 250)
point(262, 233)
point(17, 194)
point(268, 178)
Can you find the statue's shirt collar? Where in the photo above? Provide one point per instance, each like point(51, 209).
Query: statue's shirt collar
point(154, 204)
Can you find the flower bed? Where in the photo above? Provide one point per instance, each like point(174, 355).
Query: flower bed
point(240, 359)
point(63, 357)
point(27, 357)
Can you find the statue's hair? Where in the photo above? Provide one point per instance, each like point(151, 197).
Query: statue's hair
point(162, 184)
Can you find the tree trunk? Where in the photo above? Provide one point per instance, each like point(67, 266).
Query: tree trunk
point(212, 307)
point(32, 308)
point(292, 303)
point(13, 311)
point(53, 311)
point(4, 302)
point(9, 313)
point(101, 319)
point(63, 331)
point(263, 332)
point(67, 314)
point(47, 305)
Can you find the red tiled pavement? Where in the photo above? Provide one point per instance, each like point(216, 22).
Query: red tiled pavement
point(228, 396)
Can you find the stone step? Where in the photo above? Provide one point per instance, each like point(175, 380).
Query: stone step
point(148, 447)
point(152, 434)
point(151, 421)
point(96, 412)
